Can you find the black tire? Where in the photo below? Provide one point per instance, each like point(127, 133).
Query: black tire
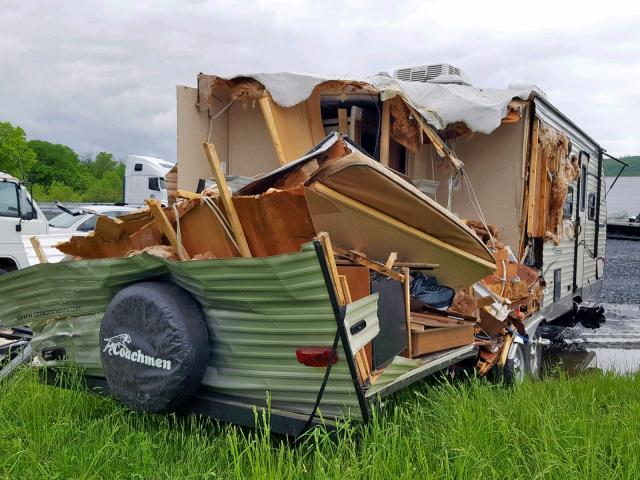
point(3, 271)
point(154, 346)
point(535, 356)
point(515, 369)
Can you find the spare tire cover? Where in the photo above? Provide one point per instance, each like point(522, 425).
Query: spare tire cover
point(154, 346)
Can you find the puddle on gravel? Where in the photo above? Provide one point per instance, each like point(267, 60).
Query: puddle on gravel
point(615, 346)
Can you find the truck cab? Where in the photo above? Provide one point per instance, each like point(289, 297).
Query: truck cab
point(19, 215)
point(144, 178)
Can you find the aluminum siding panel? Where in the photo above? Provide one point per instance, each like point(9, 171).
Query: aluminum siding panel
point(561, 256)
point(259, 311)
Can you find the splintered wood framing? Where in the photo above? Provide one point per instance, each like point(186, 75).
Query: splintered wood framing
point(165, 226)
point(361, 259)
point(343, 125)
point(275, 222)
point(294, 130)
point(227, 200)
point(441, 148)
point(344, 297)
point(35, 243)
point(534, 180)
point(265, 105)
point(385, 134)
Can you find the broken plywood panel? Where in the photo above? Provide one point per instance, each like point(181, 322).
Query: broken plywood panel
point(275, 222)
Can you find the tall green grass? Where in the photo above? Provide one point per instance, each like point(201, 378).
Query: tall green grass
point(565, 428)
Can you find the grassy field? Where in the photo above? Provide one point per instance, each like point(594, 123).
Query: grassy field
point(585, 427)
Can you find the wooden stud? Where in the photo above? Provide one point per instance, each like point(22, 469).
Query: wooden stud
point(403, 227)
point(439, 145)
point(188, 195)
point(344, 297)
point(265, 105)
point(361, 259)
point(393, 256)
point(333, 269)
point(407, 306)
point(314, 115)
point(165, 227)
point(385, 133)
point(418, 266)
point(343, 124)
point(227, 200)
point(533, 177)
point(35, 243)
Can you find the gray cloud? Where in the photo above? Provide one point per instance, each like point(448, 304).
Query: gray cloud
point(102, 75)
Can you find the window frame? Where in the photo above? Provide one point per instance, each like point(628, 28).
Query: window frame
point(17, 193)
point(570, 203)
point(591, 209)
point(584, 172)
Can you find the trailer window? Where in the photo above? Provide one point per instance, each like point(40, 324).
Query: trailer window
point(567, 209)
point(9, 200)
point(591, 210)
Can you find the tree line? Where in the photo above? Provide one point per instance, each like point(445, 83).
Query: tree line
point(612, 167)
point(56, 172)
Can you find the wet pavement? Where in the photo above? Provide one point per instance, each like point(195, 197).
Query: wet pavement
point(616, 344)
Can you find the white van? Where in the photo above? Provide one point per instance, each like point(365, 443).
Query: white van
point(19, 215)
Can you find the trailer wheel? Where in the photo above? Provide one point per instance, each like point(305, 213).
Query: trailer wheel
point(154, 346)
point(515, 369)
point(535, 347)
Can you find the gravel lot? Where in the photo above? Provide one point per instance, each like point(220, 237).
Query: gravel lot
point(622, 272)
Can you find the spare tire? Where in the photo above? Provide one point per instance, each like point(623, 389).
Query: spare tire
point(154, 346)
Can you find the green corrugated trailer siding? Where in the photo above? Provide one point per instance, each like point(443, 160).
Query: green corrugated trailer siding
point(258, 310)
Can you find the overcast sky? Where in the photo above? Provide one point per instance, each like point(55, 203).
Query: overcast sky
point(101, 75)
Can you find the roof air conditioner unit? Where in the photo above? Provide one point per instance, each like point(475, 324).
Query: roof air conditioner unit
point(437, 73)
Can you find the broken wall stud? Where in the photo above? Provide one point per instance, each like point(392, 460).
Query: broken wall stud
point(227, 200)
point(343, 124)
point(393, 256)
point(265, 105)
point(37, 247)
point(385, 133)
point(165, 227)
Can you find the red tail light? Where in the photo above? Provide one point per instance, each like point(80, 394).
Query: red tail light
point(316, 356)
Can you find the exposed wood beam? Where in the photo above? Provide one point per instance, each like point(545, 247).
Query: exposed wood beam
point(343, 124)
point(227, 200)
point(385, 133)
point(35, 243)
point(166, 228)
point(265, 105)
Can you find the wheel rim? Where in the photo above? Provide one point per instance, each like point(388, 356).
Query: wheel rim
point(519, 367)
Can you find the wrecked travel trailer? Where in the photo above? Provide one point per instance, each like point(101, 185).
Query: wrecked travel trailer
point(402, 227)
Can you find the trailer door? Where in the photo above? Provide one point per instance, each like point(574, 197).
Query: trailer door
point(581, 223)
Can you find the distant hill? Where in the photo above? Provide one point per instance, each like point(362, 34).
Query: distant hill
point(611, 168)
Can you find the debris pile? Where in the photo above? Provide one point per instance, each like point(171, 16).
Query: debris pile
point(438, 283)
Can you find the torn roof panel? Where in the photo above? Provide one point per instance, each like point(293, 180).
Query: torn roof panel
point(481, 110)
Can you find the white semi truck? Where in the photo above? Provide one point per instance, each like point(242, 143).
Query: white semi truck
point(19, 215)
point(144, 178)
